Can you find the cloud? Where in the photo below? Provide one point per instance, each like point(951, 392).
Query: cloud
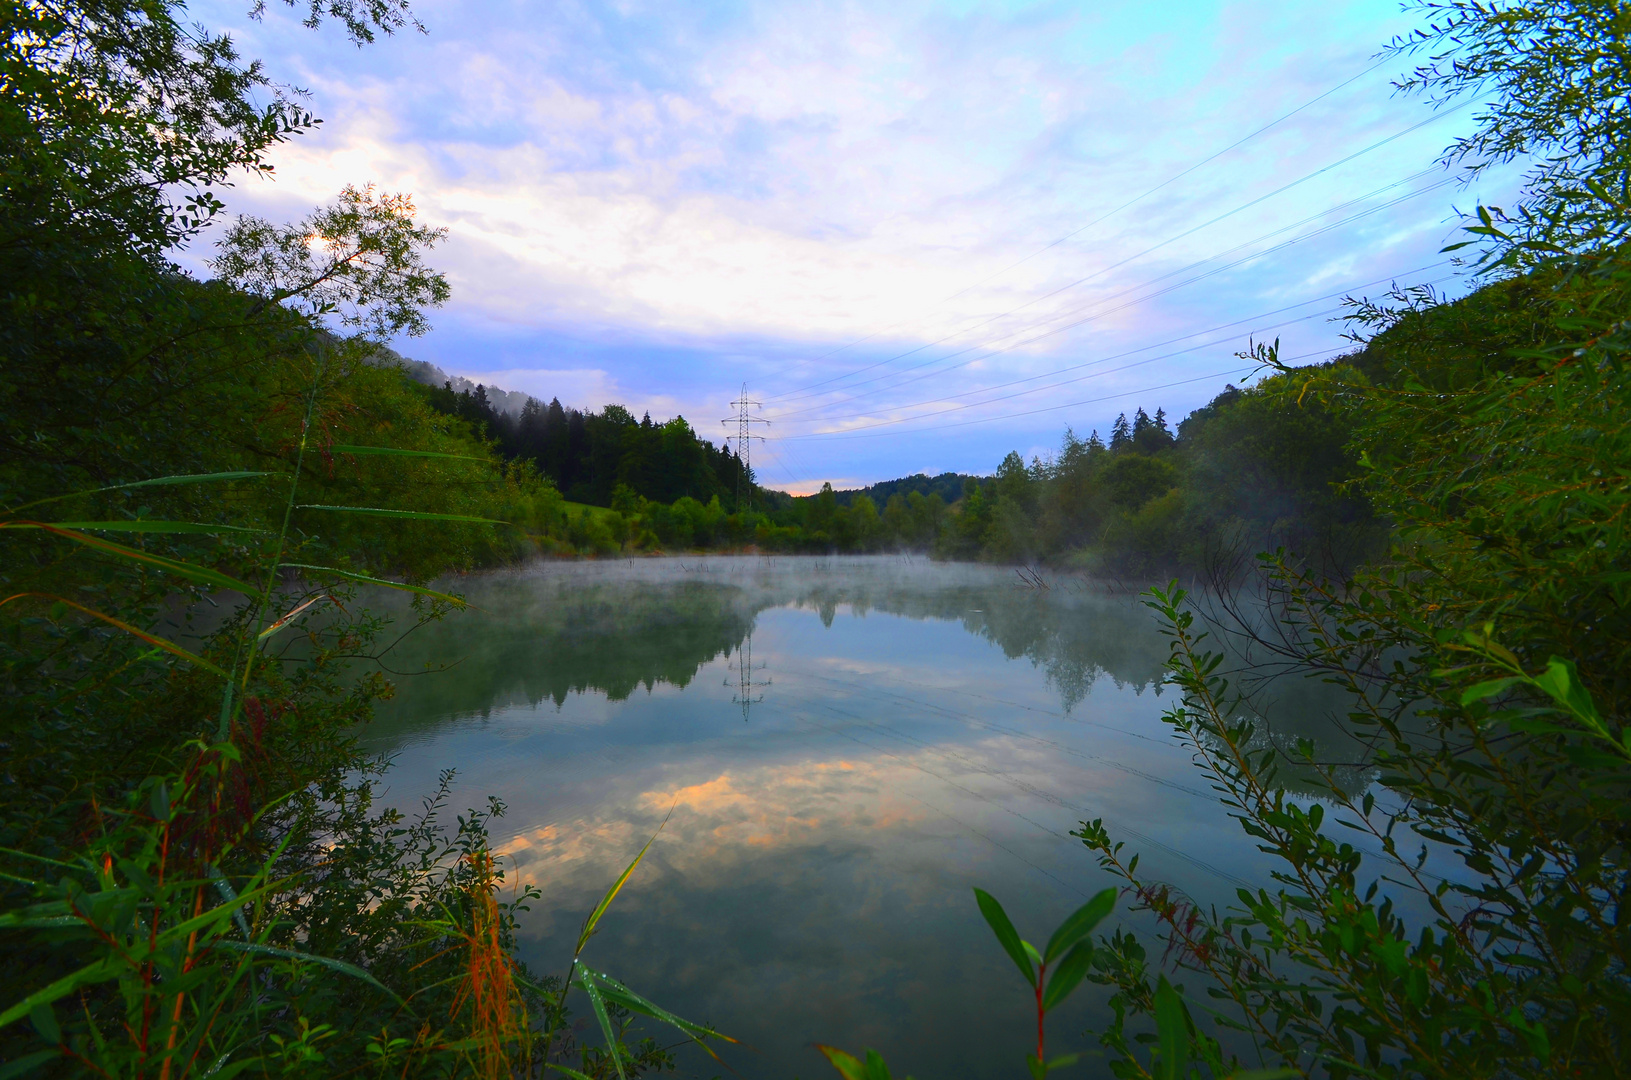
point(795, 193)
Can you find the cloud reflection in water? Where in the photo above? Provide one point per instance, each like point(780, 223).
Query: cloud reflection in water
point(926, 729)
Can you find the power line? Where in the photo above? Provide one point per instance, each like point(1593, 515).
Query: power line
point(1139, 300)
point(1179, 176)
point(1112, 213)
point(1158, 345)
point(1048, 408)
point(1111, 397)
point(1150, 250)
point(1067, 382)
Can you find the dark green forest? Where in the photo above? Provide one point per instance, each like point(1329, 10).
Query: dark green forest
point(201, 473)
point(588, 455)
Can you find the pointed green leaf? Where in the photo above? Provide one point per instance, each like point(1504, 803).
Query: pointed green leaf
point(616, 992)
point(848, 1067)
point(1067, 975)
point(366, 580)
point(149, 526)
point(158, 481)
point(322, 961)
point(1488, 688)
point(1561, 680)
point(346, 448)
point(1080, 923)
point(175, 566)
point(417, 515)
point(96, 971)
point(1007, 936)
point(45, 1022)
point(598, 1003)
point(1172, 1033)
point(617, 886)
point(875, 1067)
point(27, 1063)
point(152, 639)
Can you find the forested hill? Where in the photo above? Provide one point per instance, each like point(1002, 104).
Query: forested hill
point(589, 454)
point(948, 485)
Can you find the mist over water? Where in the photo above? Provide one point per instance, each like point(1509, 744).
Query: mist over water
point(848, 746)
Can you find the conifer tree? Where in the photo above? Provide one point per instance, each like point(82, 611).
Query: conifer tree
point(1121, 434)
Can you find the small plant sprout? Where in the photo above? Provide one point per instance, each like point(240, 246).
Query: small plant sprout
point(1069, 952)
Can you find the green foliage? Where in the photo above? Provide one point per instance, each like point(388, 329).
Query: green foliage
point(1486, 661)
point(190, 927)
point(590, 456)
point(1550, 80)
point(195, 878)
point(1069, 951)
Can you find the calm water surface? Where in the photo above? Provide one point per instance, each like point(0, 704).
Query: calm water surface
point(848, 746)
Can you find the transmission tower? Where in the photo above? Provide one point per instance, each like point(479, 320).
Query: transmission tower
point(746, 684)
point(744, 421)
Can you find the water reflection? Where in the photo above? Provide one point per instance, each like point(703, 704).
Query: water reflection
point(750, 680)
point(915, 730)
point(562, 629)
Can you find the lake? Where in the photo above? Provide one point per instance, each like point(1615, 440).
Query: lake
point(846, 747)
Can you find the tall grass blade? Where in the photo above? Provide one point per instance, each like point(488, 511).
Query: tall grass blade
point(350, 575)
point(288, 616)
point(417, 515)
point(184, 569)
point(619, 994)
point(94, 972)
point(617, 886)
point(346, 448)
point(157, 481)
point(598, 1002)
point(28, 1063)
point(152, 639)
point(149, 527)
point(322, 961)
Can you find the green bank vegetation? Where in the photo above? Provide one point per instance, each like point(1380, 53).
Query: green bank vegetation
point(195, 878)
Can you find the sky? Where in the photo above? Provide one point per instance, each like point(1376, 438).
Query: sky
point(920, 235)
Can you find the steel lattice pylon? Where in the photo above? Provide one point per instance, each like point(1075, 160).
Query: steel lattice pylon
point(744, 436)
